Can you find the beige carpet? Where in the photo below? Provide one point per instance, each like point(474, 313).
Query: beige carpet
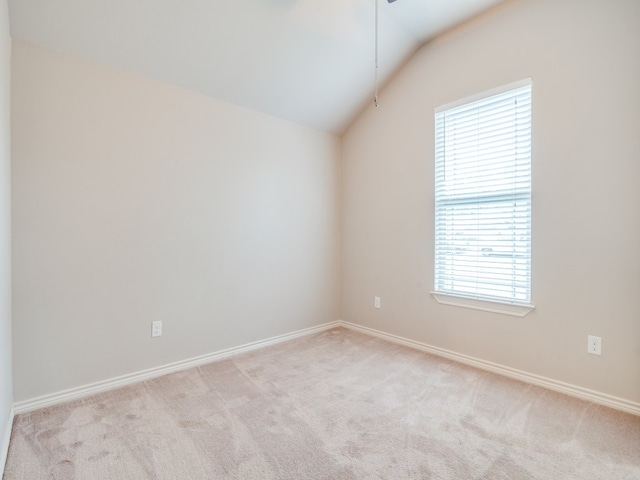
point(334, 405)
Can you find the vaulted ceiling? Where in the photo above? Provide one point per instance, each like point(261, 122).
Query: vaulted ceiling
point(307, 61)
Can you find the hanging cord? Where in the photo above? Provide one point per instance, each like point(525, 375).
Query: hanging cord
point(375, 88)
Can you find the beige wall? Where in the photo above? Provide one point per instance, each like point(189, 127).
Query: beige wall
point(6, 397)
point(135, 201)
point(584, 58)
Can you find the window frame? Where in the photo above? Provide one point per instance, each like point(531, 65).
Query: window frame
point(477, 301)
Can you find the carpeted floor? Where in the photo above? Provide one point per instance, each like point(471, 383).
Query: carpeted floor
point(334, 405)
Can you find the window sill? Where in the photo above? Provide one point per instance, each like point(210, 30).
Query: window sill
point(513, 309)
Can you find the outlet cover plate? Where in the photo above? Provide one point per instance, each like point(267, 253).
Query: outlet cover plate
point(594, 345)
point(156, 328)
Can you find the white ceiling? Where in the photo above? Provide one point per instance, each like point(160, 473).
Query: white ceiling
point(307, 61)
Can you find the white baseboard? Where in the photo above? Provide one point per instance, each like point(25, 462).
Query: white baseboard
point(117, 382)
point(549, 383)
point(110, 384)
point(5, 437)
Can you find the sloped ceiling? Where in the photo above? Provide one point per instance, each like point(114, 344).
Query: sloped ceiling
point(307, 61)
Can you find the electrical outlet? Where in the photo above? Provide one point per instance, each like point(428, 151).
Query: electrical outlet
point(594, 345)
point(156, 328)
point(376, 302)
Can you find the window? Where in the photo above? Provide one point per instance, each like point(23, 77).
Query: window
point(483, 199)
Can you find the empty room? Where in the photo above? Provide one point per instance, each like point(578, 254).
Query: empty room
point(319, 239)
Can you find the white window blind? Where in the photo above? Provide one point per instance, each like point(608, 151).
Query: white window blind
point(483, 197)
